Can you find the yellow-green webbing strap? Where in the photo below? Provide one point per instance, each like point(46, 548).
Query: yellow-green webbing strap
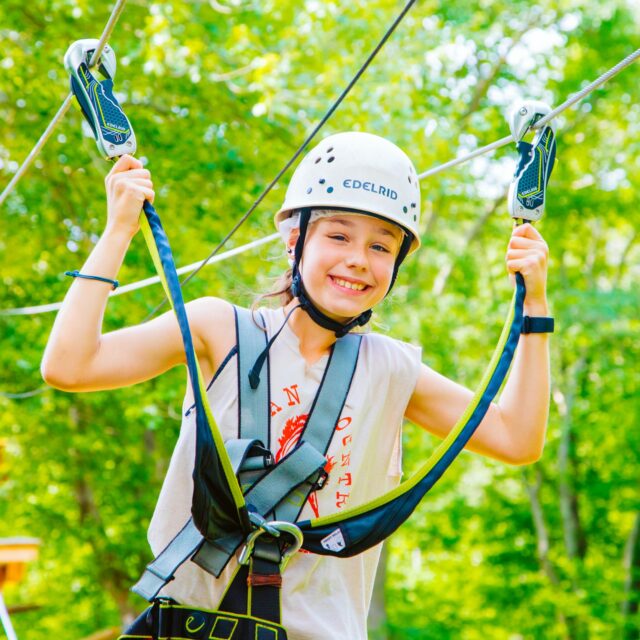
point(177, 299)
point(494, 375)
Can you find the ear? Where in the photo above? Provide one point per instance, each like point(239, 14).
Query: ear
point(293, 238)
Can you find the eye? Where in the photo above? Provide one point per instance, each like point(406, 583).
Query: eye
point(337, 236)
point(381, 248)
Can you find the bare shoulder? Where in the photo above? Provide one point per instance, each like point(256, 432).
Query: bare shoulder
point(213, 323)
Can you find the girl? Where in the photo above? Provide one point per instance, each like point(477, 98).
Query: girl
point(349, 219)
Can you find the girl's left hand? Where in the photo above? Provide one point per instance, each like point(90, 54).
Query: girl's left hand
point(528, 253)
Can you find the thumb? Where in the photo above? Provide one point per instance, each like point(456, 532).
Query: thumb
point(526, 230)
point(125, 163)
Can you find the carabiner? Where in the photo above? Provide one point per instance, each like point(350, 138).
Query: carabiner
point(527, 191)
point(263, 524)
point(280, 526)
point(111, 127)
point(298, 539)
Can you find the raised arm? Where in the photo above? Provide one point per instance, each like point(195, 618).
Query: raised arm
point(78, 357)
point(513, 430)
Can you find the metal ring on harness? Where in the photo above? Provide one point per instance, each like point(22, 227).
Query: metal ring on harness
point(281, 527)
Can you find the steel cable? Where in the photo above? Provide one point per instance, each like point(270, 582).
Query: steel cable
point(108, 29)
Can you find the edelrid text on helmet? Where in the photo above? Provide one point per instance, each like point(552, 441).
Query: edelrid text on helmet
point(360, 172)
point(370, 186)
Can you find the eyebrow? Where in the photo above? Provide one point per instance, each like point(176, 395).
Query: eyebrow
point(348, 223)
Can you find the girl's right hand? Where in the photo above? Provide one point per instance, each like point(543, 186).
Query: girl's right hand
point(128, 185)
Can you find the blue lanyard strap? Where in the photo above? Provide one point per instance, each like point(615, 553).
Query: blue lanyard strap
point(216, 488)
point(356, 530)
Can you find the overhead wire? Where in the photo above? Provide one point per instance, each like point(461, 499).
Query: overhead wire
point(573, 99)
point(140, 284)
point(300, 149)
point(108, 29)
point(196, 266)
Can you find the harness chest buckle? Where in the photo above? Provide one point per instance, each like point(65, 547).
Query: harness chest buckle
point(320, 482)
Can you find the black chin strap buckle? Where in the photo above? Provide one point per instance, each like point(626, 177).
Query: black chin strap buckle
point(297, 289)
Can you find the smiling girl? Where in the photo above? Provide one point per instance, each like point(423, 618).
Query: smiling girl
point(349, 219)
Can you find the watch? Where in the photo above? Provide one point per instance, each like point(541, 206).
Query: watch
point(537, 325)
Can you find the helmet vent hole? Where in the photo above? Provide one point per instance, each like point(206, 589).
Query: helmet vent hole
point(413, 205)
point(309, 190)
point(415, 217)
point(330, 149)
point(409, 178)
point(322, 181)
point(329, 189)
point(318, 160)
point(405, 209)
point(331, 159)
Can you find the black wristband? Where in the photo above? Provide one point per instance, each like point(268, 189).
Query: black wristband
point(537, 325)
point(76, 274)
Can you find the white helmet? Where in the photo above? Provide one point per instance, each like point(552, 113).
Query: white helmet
point(358, 171)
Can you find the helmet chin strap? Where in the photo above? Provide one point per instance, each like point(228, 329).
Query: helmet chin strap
point(298, 289)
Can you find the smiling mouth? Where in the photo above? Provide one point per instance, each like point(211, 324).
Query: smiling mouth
point(353, 286)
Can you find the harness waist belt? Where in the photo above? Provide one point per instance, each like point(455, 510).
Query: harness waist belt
point(167, 621)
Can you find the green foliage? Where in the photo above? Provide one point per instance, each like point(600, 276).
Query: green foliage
point(220, 95)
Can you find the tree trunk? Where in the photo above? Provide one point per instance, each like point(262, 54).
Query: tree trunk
point(573, 533)
point(574, 537)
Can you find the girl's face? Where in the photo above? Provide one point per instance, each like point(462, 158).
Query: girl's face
point(347, 263)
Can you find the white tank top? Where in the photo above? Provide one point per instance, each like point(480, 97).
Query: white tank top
point(322, 597)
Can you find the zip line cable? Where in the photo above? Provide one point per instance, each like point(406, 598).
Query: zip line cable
point(196, 267)
point(300, 149)
point(543, 121)
point(140, 284)
point(213, 258)
point(111, 23)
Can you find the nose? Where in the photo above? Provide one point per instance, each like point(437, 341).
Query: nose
point(357, 258)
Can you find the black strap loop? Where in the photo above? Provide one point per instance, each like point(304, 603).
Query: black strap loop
point(537, 325)
point(254, 373)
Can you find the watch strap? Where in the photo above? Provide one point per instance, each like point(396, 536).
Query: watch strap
point(537, 325)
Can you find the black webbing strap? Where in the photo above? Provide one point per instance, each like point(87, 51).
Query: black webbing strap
point(255, 587)
point(188, 541)
point(166, 620)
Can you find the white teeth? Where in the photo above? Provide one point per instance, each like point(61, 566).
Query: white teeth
point(350, 285)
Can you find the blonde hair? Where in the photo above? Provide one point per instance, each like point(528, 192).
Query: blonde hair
point(281, 291)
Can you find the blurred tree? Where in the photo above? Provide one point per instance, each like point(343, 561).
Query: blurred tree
point(220, 94)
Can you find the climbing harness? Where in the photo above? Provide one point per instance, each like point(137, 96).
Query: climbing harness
point(242, 500)
point(528, 188)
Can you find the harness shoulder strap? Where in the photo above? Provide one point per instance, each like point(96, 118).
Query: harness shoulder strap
point(253, 413)
point(333, 391)
point(324, 415)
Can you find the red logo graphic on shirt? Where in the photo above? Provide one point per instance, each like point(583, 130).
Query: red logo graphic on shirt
point(313, 503)
point(290, 435)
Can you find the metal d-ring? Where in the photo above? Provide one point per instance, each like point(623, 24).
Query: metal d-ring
point(279, 526)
